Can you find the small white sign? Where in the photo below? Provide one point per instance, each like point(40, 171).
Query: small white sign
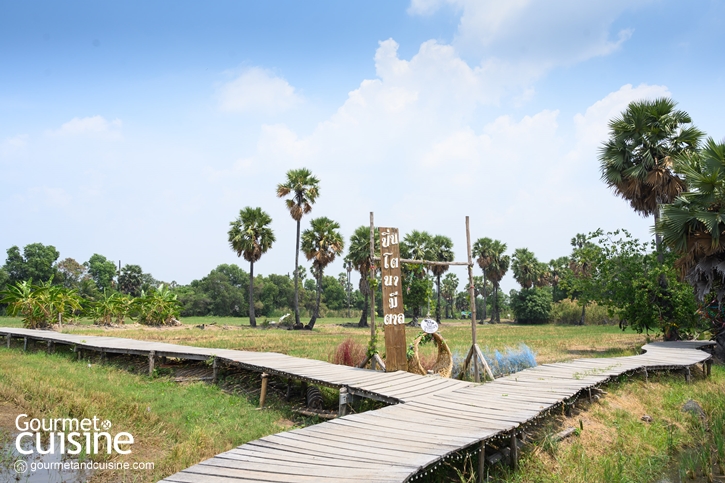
point(429, 326)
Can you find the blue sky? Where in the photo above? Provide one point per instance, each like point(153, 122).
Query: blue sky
point(139, 129)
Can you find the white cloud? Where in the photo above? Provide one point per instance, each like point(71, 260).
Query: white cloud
point(257, 90)
point(592, 127)
point(540, 34)
point(14, 144)
point(95, 126)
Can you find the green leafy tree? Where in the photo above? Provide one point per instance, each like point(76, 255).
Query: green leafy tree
point(226, 294)
point(334, 293)
point(558, 271)
point(441, 249)
point(642, 292)
point(579, 280)
point(130, 280)
point(417, 287)
point(250, 236)
point(102, 271)
point(35, 263)
point(321, 244)
point(637, 160)
point(4, 278)
point(304, 189)
point(359, 256)
point(532, 305)
point(70, 273)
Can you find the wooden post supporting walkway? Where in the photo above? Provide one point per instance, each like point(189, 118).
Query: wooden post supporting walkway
point(263, 392)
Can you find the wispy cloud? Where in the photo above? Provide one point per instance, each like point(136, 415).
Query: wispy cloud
point(14, 144)
point(258, 90)
point(96, 126)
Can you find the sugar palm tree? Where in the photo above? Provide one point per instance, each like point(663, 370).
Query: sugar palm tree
point(636, 161)
point(449, 286)
point(525, 267)
point(250, 236)
point(693, 227)
point(358, 255)
point(416, 245)
point(482, 252)
point(441, 249)
point(321, 243)
point(496, 270)
point(305, 189)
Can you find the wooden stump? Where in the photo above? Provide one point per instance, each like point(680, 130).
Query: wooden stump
point(263, 392)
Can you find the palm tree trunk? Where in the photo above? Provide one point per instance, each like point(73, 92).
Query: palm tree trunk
point(252, 319)
point(495, 316)
point(483, 312)
point(316, 313)
point(438, 303)
point(364, 316)
point(297, 264)
point(584, 312)
point(366, 294)
point(658, 237)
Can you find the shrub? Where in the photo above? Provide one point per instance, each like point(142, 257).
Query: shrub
point(110, 308)
point(42, 305)
point(157, 307)
point(568, 312)
point(532, 305)
point(349, 353)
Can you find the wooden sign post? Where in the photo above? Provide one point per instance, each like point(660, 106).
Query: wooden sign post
point(393, 317)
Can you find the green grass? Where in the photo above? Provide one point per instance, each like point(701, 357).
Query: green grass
point(174, 425)
point(550, 342)
point(617, 446)
point(179, 425)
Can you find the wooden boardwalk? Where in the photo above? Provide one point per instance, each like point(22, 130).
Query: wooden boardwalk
point(431, 419)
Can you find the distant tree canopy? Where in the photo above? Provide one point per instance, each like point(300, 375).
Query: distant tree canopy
point(102, 271)
point(35, 263)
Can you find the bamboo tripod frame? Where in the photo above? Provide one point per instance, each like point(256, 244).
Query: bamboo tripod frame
point(475, 355)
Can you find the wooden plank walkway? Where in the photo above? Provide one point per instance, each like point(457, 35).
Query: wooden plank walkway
point(431, 420)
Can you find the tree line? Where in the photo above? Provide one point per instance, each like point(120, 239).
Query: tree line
point(654, 158)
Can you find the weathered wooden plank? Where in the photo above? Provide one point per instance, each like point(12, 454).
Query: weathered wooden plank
point(393, 443)
point(293, 469)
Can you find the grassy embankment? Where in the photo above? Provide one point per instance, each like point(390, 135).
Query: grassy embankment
point(178, 425)
point(550, 342)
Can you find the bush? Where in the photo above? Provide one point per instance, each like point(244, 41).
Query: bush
point(42, 305)
point(157, 307)
point(568, 312)
point(349, 353)
point(532, 305)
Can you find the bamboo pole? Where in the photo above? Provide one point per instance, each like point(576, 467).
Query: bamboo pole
point(472, 296)
point(372, 290)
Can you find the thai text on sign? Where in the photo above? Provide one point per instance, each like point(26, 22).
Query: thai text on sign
point(393, 317)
